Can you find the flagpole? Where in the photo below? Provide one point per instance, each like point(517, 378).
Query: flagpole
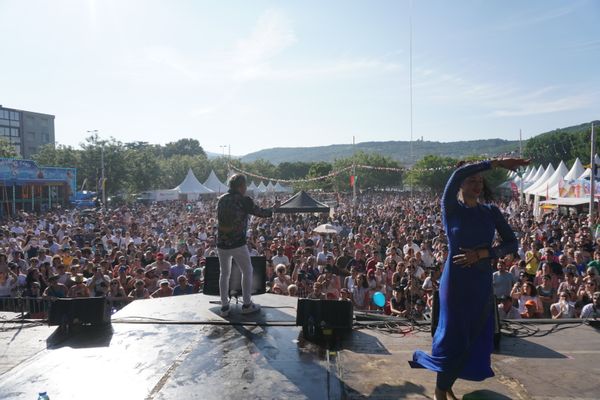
point(354, 171)
point(593, 173)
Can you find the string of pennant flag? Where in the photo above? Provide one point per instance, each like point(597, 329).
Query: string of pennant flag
point(334, 173)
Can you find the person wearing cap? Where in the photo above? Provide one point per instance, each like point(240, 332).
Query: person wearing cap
point(531, 310)
point(160, 264)
point(233, 209)
point(164, 290)
point(79, 289)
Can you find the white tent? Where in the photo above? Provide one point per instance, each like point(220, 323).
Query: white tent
point(270, 187)
point(552, 183)
point(192, 187)
point(534, 179)
point(214, 184)
point(278, 188)
point(251, 186)
point(261, 188)
point(541, 180)
point(529, 175)
point(575, 171)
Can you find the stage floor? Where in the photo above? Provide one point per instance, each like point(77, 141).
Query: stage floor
point(179, 347)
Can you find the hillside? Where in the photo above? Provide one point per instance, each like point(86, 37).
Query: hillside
point(398, 150)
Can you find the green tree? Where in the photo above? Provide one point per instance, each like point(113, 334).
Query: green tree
point(431, 172)
point(368, 178)
point(292, 170)
point(6, 149)
point(184, 147)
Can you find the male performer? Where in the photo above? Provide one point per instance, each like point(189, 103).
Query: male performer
point(232, 213)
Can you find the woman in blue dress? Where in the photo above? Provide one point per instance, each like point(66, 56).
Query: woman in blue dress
point(463, 341)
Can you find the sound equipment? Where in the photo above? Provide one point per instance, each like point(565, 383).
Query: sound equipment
point(212, 272)
point(319, 317)
point(86, 310)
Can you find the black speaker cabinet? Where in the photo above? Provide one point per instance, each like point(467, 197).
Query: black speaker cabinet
point(316, 316)
point(212, 271)
point(88, 310)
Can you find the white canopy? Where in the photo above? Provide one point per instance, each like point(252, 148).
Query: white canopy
point(278, 188)
point(527, 177)
point(575, 171)
point(541, 180)
point(261, 188)
point(270, 187)
point(535, 178)
point(552, 183)
point(252, 186)
point(191, 185)
point(214, 184)
point(568, 201)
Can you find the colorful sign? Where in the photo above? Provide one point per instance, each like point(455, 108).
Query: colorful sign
point(27, 172)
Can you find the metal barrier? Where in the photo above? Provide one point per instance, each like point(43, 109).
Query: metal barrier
point(37, 307)
point(30, 307)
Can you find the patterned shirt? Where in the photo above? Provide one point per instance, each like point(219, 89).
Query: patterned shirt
point(233, 209)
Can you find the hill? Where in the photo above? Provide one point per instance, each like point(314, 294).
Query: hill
point(397, 150)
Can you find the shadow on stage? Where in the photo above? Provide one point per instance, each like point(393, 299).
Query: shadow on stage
point(519, 347)
point(81, 337)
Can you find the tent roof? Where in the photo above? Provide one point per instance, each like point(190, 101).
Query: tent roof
point(554, 180)
point(575, 171)
point(527, 177)
point(214, 184)
point(252, 186)
point(301, 202)
point(191, 184)
point(261, 187)
point(540, 180)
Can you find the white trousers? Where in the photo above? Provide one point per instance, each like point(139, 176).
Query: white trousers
point(242, 260)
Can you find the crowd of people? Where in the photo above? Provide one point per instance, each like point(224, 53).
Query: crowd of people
point(387, 242)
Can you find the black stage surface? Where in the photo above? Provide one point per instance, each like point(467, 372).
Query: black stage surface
point(179, 348)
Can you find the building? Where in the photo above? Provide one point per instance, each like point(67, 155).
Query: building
point(27, 131)
point(26, 186)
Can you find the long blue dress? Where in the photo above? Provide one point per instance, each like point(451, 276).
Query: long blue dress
point(463, 341)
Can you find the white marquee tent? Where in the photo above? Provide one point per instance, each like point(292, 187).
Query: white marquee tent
point(192, 187)
point(214, 184)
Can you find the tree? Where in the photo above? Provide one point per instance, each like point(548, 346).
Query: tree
point(431, 172)
point(292, 170)
point(368, 178)
point(183, 147)
point(7, 150)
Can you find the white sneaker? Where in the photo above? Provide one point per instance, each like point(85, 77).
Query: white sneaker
point(251, 308)
point(225, 311)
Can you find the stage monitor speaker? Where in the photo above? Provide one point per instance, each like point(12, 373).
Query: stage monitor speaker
point(212, 271)
point(86, 310)
point(315, 316)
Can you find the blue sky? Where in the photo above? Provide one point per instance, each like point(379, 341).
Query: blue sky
point(260, 74)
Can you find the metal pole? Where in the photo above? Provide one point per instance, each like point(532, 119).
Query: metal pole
point(521, 194)
point(593, 174)
point(354, 172)
point(14, 206)
point(103, 179)
point(411, 94)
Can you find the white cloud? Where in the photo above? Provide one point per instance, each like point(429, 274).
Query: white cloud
point(272, 34)
point(502, 99)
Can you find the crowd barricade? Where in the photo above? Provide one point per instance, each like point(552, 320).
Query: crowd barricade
point(38, 308)
point(28, 307)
